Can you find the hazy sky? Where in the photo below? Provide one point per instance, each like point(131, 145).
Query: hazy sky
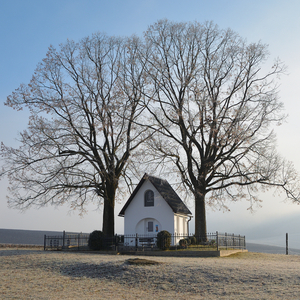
point(28, 28)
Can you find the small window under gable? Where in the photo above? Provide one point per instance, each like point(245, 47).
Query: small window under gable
point(149, 198)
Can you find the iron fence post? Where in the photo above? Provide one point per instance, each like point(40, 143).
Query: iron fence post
point(136, 242)
point(44, 242)
point(217, 238)
point(174, 240)
point(116, 242)
point(287, 244)
point(63, 243)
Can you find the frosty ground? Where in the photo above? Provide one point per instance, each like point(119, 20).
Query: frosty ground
point(35, 274)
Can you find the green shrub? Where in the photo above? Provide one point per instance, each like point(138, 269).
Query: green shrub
point(183, 243)
point(95, 240)
point(188, 240)
point(193, 240)
point(164, 240)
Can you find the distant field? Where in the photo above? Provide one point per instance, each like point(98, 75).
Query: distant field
point(28, 237)
point(270, 249)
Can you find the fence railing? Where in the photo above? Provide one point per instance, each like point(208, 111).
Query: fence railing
point(212, 241)
point(66, 241)
point(232, 241)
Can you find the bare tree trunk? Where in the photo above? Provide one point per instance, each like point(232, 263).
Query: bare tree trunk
point(108, 226)
point(200, 216)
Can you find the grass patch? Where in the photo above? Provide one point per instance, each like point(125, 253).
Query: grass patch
point(194, 248)
point(143, 262)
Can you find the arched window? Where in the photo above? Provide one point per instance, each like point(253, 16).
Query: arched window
point(149, 198)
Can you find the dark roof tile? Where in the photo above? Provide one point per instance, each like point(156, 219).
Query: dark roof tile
point(166, 191)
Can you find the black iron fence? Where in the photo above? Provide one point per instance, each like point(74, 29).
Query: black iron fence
point(212, 242)
point(232, 241)
point(74, 241)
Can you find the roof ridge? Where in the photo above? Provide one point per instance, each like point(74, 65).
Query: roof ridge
point(164, 180)
point(166, 191)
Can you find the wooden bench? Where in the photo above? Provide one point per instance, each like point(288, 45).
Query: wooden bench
point(147, 242)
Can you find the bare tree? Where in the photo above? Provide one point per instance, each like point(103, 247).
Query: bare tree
point(214, 110)
point(84, 100)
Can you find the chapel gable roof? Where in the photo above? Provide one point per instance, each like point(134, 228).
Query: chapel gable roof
point(165, 190)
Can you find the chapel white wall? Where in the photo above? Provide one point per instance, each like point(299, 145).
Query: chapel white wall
point(136, 211)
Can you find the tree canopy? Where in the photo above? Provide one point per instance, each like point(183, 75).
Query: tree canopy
point(215, 106)
point(83, 100)
point(201, 96)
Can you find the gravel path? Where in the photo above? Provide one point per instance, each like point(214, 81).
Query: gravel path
point(35, 274)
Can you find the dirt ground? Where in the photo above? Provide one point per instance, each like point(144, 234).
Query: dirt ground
point(35, 274)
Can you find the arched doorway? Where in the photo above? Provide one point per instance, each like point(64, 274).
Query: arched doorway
point(148, 226)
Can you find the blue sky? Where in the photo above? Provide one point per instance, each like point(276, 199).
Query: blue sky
point(28, 28)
